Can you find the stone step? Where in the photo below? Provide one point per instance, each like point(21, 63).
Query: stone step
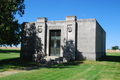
point(52, 59)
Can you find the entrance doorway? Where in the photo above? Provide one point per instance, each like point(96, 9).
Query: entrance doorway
point(55, 37)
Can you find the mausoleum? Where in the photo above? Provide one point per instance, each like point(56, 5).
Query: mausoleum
point(63, 40)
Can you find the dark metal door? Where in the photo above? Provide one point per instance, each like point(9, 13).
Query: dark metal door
point(55, 42)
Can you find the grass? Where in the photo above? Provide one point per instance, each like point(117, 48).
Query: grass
point(107, 68)
point(8, 53)
point(10, 59)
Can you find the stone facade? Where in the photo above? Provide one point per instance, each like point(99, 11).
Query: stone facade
point(63, 40)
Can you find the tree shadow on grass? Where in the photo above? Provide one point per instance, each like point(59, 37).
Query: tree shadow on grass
point(66, 65)
point(15, 63)
point(27, 64)
point(9, 51)
point(110, 58)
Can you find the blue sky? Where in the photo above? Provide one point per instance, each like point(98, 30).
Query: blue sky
point(106, 12)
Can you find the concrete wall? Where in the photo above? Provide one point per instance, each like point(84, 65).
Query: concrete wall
point(67, 38)
point(55, 25)
point(28, 40)
point(86, 39)
point(40, 42)
point(40, 35)
point(100, 41)
point(82, 39)
point(33, 39)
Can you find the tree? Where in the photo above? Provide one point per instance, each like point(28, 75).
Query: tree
point(10, 29)
point(115, 47)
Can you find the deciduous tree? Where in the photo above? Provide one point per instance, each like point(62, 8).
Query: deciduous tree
point(10, 29)
point(115, 47)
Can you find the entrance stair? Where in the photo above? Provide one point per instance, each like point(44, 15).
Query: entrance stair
point(52, 59)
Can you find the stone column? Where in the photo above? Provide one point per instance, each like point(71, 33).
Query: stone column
point(40, 38)
point(70, 40)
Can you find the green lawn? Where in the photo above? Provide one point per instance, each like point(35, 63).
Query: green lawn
point(107, 68)
point(10, 59)
point(8, 53)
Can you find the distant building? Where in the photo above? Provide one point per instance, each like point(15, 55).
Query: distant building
point(117, 50)
point(63, 40)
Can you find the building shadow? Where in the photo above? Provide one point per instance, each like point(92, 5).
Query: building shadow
point(27, 64)
point(110, 58)
point(70, 64)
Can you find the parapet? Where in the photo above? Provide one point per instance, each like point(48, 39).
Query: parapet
point(41, 19)
point(70, 17)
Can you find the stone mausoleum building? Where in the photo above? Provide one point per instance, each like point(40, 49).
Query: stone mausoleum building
point(75, 39)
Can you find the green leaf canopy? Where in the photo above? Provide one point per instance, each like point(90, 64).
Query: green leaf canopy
point(10, 29)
